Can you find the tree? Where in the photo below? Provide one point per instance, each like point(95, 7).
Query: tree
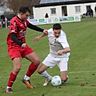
point(15, 4)
point(2, 2)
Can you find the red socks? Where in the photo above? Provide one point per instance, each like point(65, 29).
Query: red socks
point(32, 68)
point(11, 80)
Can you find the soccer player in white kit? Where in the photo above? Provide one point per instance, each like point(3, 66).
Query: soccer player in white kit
point(58, 55)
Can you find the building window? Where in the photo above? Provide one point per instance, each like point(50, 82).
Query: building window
point(77, 9)
point(53, 11)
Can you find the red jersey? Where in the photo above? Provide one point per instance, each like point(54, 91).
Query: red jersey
point(18, 27)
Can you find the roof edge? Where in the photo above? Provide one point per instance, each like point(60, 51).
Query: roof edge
point(64, 3)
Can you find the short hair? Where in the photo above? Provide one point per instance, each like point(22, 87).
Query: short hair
point(24, 9)
point(57, 26)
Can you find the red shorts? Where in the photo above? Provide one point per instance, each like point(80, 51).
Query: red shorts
point(15, 52)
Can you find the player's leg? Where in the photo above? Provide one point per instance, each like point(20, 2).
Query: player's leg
point(15, 55)
point(64, 76)
point(34, 63)
point(42, 71)
point(48, 62)
point(63, 66)
point(31, 69)
point(13, 74)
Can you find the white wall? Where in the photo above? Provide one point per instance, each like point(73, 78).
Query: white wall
point(71, 8)
point(39, 12)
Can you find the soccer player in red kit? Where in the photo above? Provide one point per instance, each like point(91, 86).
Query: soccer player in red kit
point(18, 49)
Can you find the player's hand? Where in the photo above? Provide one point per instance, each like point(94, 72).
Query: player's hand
point(23, 45)
point(60, 52)
point(45, 31)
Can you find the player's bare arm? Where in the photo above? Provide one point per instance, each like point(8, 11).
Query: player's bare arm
point(39, 37)
point(64, 51)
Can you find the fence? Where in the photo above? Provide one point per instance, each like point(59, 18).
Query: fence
point(55, 20)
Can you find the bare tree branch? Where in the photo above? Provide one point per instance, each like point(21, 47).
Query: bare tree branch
point(15, 4)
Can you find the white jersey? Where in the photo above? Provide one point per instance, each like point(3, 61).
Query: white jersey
point(57, 44)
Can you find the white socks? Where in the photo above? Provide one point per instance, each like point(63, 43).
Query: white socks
point(26, 77)
point(8, 87)
point(46, 75)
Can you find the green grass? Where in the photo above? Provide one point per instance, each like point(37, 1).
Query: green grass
point(82, 63)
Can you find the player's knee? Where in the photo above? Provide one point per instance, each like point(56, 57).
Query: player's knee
point(36, 62)
point(17, 69)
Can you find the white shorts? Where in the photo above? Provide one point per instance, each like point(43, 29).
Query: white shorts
point(61, 62)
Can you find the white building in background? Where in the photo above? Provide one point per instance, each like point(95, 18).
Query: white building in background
point(59, 8)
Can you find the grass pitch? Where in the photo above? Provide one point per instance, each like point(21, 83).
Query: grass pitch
point(82, 63)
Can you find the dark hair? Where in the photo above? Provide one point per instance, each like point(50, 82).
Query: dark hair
point(24, 9)
point(57, 26)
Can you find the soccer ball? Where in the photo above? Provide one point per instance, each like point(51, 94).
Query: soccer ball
point(56, 81)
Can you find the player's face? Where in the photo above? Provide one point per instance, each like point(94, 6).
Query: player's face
point(25, 16)
point(57, 32)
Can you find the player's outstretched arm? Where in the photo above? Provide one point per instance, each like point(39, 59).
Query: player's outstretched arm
point(34, 27)
point(39, 37)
